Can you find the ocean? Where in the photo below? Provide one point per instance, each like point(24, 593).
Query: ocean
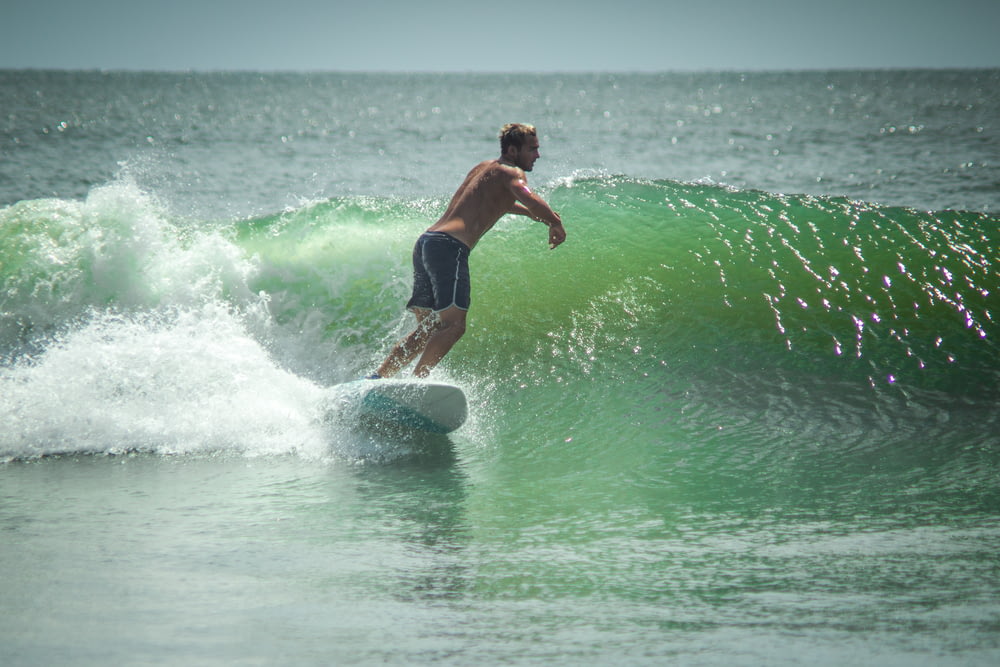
point(745, 415)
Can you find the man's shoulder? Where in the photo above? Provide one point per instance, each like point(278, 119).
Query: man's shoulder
point(509, 170)
point(494, 169)
point(489, 165)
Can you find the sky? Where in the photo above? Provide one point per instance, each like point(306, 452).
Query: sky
point(473, 35)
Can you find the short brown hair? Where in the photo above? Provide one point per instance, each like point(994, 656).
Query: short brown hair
point(514, 134)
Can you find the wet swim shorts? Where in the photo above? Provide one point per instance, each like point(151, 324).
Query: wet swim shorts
point(440, 273)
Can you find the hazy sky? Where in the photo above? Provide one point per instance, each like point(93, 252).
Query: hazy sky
point(471, 35)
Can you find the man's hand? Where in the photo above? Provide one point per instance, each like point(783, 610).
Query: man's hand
point(557, 234)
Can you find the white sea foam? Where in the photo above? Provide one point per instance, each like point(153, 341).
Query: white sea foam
point(185, 381)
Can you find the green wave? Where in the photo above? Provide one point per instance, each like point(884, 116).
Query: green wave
point(665, 273)
point(674, 312)
point(681, 325)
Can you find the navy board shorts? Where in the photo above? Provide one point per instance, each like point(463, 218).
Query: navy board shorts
point(440, 273)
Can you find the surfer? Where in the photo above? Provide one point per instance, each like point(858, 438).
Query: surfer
point(441, 287)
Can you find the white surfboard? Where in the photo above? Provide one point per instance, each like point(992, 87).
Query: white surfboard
point(418, 405)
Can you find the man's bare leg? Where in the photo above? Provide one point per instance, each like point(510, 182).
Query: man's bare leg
point(407, 349)
point(448, 328)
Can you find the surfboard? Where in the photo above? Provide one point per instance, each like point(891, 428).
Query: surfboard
point(416, 405)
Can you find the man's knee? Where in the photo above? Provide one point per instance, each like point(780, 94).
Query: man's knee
point(453, 329)
point(452, 323)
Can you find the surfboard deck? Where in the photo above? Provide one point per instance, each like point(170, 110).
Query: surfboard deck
point(417, 405)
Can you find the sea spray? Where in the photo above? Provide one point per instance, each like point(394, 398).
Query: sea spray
point(118, 249)
point(185, 381)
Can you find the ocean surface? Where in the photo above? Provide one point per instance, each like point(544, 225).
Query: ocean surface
point(746, 415)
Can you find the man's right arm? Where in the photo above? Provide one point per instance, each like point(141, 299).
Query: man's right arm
point(530, 204)
point(533, 206)
point(536, 209)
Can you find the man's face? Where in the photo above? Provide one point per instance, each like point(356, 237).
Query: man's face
point(525, 156)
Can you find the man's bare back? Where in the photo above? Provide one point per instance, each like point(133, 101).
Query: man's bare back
point(491, 190)
point(494, 188)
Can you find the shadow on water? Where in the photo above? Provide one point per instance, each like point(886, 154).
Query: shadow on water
point(381, 443)
point(418, 493)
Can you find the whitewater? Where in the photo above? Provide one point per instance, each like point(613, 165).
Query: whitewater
point(746, 414)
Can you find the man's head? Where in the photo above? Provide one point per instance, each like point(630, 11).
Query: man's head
point(519, 144)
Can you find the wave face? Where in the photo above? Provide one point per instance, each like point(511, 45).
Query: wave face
point(726, 328)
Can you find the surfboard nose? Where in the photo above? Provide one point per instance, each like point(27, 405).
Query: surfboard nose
point(433, 407)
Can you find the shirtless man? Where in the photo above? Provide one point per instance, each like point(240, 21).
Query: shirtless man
point(441, 288)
